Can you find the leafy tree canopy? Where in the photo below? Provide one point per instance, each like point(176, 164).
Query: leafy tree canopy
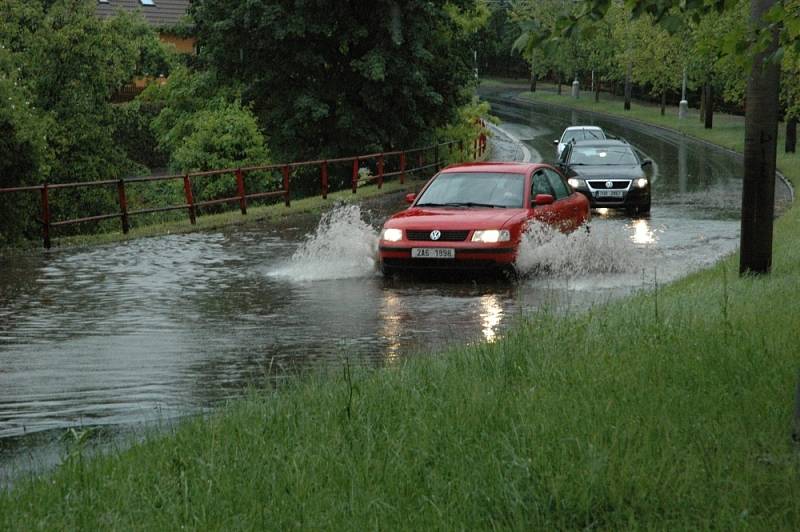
point(332, 77)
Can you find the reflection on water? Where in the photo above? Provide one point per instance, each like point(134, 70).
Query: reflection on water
point(491, 316)
point(392, 317)
point(642, 234)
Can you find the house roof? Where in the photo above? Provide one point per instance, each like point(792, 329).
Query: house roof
point(161, 13)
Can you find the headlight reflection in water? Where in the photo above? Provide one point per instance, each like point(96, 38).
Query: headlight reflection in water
point(642, 232)
point(491, 316)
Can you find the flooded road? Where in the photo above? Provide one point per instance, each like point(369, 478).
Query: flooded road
point(161, 327)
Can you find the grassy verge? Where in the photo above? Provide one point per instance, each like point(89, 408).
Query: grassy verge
point(668, 410)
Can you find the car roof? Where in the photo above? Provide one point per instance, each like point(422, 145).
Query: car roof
point(570, 128)
point(493, 167)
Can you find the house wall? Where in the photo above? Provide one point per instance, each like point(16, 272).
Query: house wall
point(184, 45)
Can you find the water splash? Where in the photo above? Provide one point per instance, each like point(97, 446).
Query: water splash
point(544, 249)
point(343, 246)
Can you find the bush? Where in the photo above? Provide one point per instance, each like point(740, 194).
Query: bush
point(134, 134)
point(225, 135)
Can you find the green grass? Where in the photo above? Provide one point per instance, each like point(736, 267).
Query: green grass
point(669, 410)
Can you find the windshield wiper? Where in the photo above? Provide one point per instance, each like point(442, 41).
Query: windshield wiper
point(473, 204)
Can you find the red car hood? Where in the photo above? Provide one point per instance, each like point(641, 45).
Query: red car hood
point(449, 219)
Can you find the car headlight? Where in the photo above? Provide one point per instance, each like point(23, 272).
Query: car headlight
point(640, 183)
point(491, 236)
point(574, 183)
point(392, 235)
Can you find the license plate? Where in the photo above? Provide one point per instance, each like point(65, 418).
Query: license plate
point(433, 253)
point(609, 193)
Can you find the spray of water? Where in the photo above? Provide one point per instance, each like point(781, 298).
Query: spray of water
point(343, 246)
point(545, 250)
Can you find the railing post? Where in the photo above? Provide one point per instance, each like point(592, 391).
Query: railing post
point(240, 187)
point(286, 198)
point(461, 149)
point(45, 217)
point(402, 167)
point(380, 170)
point(436, 157)
point(187, 189)
point(123, 206)
point(324, 179)
point(355, 175)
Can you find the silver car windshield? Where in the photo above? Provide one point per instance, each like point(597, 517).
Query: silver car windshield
point(474, 189)
point(582, 134)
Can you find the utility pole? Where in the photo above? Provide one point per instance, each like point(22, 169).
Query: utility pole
point(683, 106)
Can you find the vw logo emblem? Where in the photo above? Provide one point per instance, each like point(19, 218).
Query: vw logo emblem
point(436, 234)
point(609, 184)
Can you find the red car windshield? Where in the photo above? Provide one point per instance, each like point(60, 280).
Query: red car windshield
point(473, 189)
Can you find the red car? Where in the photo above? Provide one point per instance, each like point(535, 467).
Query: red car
point(473, 216)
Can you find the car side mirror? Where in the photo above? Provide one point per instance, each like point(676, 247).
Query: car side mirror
point(410, 197)
point(555, 142)
point(647, 162)
point(543, 199)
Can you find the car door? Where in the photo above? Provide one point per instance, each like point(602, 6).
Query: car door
point(540, 184)
point(571, 208)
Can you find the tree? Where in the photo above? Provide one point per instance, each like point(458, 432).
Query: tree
point(24, 157)
point(333, 78)
point(760, 148)
point(790, 96)
point(658, 60)
point(69, 63)
point(563, 57)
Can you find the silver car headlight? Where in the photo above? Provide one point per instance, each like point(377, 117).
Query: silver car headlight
point(491, 236)
point(391, 234)
point(640, 183)
point(574, 183)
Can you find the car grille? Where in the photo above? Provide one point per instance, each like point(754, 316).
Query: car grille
point(447, 236)
point(617, 183)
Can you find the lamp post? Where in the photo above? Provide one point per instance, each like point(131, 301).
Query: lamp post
point(683, 106)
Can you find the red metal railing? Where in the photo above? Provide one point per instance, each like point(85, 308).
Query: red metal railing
point(401, 158)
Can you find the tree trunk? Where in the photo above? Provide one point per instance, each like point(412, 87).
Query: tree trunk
point(558, 80)
point(597, 90)
point(628, 86)
point(796, 427)
point(760, 151)
point(663, 101)
point(709, 118)
point(533, 77)
point(791, 134)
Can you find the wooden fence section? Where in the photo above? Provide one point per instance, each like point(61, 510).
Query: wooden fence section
point(406, 162)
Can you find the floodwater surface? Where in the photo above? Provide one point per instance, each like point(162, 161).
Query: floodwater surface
point(157, 328)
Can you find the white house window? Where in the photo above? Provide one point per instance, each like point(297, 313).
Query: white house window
point(148, 2)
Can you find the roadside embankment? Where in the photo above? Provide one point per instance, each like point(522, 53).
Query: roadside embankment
point(670, 409)
point(270, 213)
